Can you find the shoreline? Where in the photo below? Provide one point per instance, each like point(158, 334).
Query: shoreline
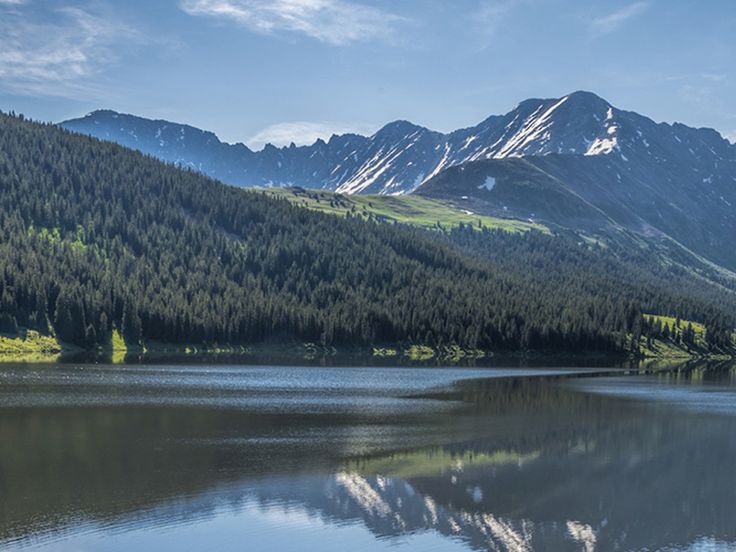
point(35, 349)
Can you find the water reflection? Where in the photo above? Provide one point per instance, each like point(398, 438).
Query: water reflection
point(402, 459)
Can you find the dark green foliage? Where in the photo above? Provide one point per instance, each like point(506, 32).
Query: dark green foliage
point(94, 236)
point(718, 335)
point(565, 265)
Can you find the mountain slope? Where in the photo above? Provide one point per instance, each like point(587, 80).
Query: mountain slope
point(600, 195)
point(410, 209)
point(96, 237)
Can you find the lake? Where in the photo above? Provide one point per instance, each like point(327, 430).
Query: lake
point(236, 457)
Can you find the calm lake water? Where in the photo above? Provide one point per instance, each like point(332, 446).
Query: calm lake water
point(193, 458)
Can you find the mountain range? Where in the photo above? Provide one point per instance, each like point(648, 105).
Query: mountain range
point(401, 156)
point(575, 162)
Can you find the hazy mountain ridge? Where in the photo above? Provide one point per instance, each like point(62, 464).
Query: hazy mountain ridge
point(401, 155)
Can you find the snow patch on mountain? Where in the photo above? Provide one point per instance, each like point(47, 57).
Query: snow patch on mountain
point(488, 184)
point(534, 130)
point(602, 146)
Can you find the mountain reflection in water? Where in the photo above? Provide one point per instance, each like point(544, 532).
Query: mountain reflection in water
point(251, 458)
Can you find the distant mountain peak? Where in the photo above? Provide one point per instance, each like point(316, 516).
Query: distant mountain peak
point(400, 127)
point(587, 96)
point(102, 112)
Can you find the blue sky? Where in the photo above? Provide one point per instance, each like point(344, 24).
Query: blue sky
point(281, 70)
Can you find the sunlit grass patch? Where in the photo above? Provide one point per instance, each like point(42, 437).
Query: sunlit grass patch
point(29, 346)
point(406, 209)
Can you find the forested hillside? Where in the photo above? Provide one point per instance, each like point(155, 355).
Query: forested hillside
point(94, 236)
point(651, 279)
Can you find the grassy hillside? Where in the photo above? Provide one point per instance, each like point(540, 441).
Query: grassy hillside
point(603, 195)
point(407, 209)
point(672, 322)
point(668, 336)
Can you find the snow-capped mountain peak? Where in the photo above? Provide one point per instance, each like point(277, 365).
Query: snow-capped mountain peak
point(401, 156)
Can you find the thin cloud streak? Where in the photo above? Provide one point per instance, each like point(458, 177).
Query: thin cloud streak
point(613, 21)
point(56, 59)
point(489, 17)
point(336, 22)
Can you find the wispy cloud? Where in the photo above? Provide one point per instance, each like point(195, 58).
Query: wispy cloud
point(55, 56)
point(731, 136)
point(611, 22)
point(303, 132)
point(335, 22)
point(489, 17)
point(714, 78)
point(492, 12)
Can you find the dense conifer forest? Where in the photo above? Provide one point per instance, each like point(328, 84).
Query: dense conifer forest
point(564, 264)
point(94, 237)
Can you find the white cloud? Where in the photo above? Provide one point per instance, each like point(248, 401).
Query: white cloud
point(714, 77)
point(731, 136)
point(336, 22)
point(488, 18)
point(303, 133)
point(611, 22)
point(40, 57)
point(492, 12)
